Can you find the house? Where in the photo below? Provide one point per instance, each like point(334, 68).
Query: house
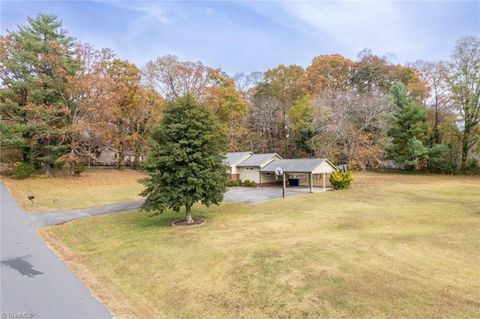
point(232, 159)
point(249, 169)
point(109, 156)
point(296, 170)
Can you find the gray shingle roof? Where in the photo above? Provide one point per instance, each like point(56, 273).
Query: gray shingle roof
point(294, 165)
point(234, 157)
point(256, 160)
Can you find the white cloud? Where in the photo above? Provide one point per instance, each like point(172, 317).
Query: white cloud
point(149, 14)
point(349, 26)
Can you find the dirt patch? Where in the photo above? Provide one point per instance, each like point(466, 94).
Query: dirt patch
point(196, 222)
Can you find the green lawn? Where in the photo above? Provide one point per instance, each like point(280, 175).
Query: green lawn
point(392, 246)
point(92, 188)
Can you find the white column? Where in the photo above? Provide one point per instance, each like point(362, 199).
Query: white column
point(323, 175)
point(283, 189)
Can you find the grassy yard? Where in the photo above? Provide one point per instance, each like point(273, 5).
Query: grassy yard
point(392, 246)
point(92, 188)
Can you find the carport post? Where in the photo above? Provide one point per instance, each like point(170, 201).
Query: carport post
point(310, 179)
point(283, 188)
point(260, 181)
point(323, 175)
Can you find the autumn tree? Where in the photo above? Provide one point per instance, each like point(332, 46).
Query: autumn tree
point(186, 159)
point(133, 109)
point(328, 73)
point(280, 89)
point(90, 93)
point(301, 117)
point(226, 102)
point(351, 127)
point(173, 78)
point(464, 83)
point(434, 73)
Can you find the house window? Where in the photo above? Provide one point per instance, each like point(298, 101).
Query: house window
point(268, 174)
point(249, 168)
point(115, 155)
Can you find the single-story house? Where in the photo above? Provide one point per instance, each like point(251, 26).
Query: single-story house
point(310, 169)
point(249, 169)
point(109, 156)
point(232, 159)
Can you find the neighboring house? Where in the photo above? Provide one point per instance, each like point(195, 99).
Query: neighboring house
point(232, 159)
point(249, 169)
point(307, 170)
point(109, 156)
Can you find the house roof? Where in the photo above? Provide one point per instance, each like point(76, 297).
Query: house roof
point(232, 158)
point(306, 165)
point(257, 159)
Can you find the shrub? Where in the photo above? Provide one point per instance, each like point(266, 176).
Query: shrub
point(232, 183)
point(248, 183)
point(22, 170)
point(78, 168)
point(472, 168)
point(341, 180)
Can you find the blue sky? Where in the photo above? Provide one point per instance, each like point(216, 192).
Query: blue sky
point(254, 36)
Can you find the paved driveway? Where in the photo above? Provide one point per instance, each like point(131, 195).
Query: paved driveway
point(252, 195)
point(34, 282)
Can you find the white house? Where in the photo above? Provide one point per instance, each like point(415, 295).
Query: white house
point(232, 159)
point(249, 169)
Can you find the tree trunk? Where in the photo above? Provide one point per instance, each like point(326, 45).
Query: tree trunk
point(188, 214)
point(48, 169)
point(465, 145)
point(72, 164)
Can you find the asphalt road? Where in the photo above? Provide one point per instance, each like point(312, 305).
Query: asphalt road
point(34, 282)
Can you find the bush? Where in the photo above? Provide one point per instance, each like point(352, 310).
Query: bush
point(472, 168)
point(22, 170)
point(78, 168)
point(248, 183)
point(232, 183)
point(341, 180)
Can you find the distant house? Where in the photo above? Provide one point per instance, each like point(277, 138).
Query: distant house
point(110, 156)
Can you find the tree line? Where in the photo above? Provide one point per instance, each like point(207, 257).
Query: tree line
point(61, 100)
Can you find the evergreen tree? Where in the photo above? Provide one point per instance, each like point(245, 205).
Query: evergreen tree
point(186, 162)
point(38, 63)
point(409, 130)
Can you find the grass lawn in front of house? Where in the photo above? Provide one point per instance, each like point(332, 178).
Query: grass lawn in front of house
point(94, 187)
point(391, 246)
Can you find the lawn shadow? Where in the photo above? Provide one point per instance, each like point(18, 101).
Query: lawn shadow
point(146, 220)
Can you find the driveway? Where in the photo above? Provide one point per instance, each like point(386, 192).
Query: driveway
point(247, 195)
point(252, 195)
point(34, 282)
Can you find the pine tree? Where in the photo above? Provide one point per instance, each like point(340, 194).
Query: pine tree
point(186, 162)
point(409, 130)
point(38, 63)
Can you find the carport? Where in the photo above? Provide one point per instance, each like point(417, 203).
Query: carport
point(294, 167)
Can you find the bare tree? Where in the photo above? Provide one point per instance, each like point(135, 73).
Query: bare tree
point(351, 126)
point(173, 78)
point(439, 99)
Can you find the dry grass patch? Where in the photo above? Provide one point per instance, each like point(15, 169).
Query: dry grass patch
point(93, 187)
point(392, 246)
